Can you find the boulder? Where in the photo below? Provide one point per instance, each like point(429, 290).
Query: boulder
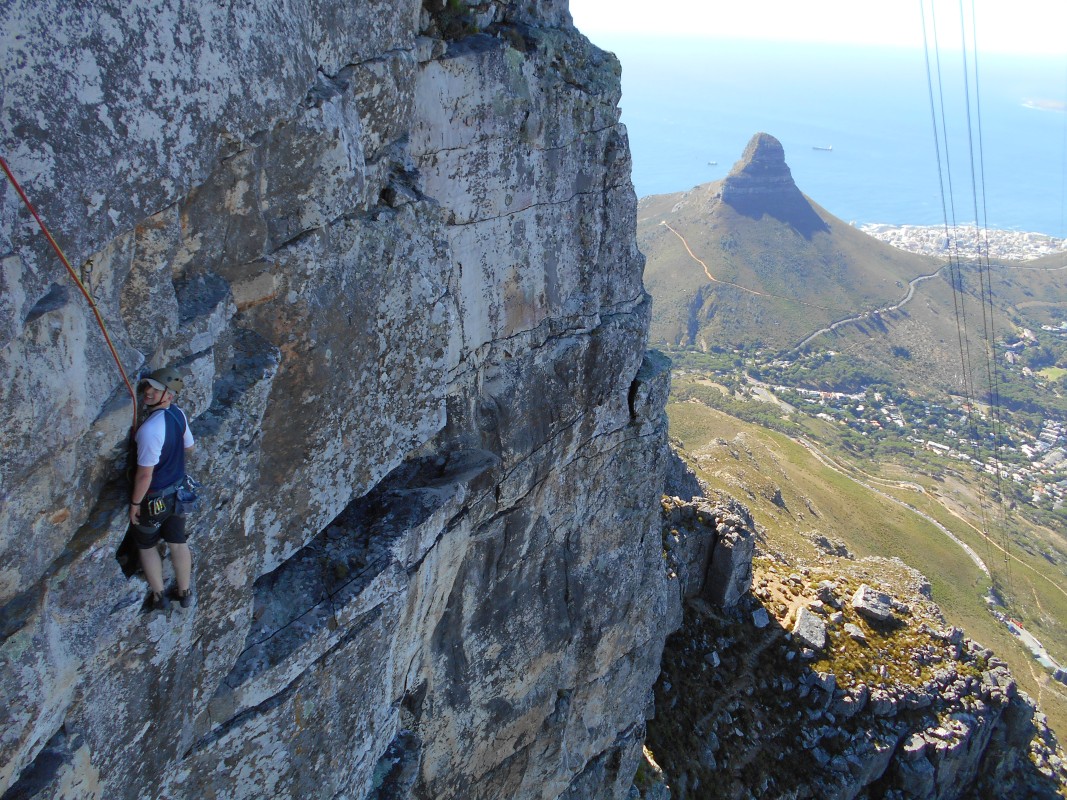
point(855, 631)
point(710, 545)
point(872, 604)
point(810, 629)
point(913, 747)
point(729, 575)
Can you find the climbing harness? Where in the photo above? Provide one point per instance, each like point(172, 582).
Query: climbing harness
point(77, 281)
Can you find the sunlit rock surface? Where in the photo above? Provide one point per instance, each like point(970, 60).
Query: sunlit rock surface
point(392, 247)
point(778, 697)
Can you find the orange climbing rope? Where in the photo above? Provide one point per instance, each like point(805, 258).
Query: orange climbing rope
point(77, 280)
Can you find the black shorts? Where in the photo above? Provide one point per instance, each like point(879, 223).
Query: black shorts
point(167, 525)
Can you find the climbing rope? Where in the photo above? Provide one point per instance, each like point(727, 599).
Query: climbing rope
point(77, 281)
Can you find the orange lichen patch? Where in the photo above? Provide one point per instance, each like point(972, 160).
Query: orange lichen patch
point(60, 516)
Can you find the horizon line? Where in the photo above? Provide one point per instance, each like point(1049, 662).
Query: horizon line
point(690, 36)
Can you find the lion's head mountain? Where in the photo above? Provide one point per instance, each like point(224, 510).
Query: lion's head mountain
point(780, 265)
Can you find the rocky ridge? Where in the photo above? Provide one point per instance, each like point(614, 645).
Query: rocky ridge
point(818, 684)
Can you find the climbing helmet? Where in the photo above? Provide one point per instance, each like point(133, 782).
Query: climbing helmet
point(165, 378)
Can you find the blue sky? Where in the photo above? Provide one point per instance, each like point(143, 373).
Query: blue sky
point(1012, 26)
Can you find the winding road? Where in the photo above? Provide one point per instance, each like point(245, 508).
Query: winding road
point(867, 314)
point(828, 462)
point(830, 328)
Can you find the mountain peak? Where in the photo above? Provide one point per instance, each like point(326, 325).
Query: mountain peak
point(764, 158)
point(760, 183)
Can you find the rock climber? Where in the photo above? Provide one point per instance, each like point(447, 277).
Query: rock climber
point(163, 441)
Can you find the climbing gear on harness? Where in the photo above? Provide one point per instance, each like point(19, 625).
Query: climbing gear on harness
point(157, 506)
point(77, 280)
point(187, 498)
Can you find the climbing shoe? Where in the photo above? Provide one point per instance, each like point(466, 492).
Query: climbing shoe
point(185, 599)
point(157, 601)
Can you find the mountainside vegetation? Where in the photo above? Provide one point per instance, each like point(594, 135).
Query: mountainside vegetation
point(752, 261)
point(860, 406)
point(772, 285)
point(811, 501)
point(750, 278)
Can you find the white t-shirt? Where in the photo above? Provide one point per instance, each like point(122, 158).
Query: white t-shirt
point(152, 434)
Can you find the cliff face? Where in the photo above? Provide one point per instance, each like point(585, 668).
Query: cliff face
point(398, 268)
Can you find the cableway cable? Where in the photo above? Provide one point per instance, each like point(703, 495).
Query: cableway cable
point(948, 210)
point(974, 417)
point(985, 272)
point(944, 171)
point(1063, 168)
point(972, 394)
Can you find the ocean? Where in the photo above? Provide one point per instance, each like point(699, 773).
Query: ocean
point(688, 103)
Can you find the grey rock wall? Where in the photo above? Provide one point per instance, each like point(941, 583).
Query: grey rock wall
point(400, 274)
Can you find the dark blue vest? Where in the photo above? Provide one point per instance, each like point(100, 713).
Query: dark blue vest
point(171, 467)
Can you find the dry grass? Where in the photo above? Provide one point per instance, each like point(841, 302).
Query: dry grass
point(749, 462)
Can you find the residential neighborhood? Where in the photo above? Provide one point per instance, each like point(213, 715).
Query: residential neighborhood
point(1037, 463)
point(966, 241)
